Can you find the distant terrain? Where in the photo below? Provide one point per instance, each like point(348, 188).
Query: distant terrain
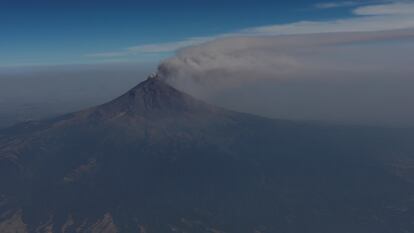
point(156, 160)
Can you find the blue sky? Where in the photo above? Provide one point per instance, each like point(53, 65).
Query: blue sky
point(67, 32)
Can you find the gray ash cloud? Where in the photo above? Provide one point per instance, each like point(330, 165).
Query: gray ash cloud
point(333, 76)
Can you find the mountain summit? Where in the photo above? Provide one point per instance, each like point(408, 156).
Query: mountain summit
point(156, 160)
point(153, 98)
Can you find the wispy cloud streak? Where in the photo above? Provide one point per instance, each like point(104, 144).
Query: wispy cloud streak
point(387, 16)
point(339, 4)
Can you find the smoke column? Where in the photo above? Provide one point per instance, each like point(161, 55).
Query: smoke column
point(341, 77)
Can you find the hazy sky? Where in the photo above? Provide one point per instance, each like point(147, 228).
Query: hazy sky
point(38, 92)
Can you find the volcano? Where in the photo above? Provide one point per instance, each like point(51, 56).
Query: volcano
point(156, 160)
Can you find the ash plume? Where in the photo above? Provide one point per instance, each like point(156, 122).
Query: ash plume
point(317, 77)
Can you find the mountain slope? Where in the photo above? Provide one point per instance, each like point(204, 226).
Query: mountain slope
point(158, 160)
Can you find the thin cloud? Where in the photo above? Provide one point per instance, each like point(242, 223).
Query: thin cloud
point(380, 17)
point(398, 8)
point(153, 48)
point(108, 54)
point(391, 16)
point(167, 47)
point(329, 5)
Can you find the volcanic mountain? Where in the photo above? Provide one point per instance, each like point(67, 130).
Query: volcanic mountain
point(156, 160)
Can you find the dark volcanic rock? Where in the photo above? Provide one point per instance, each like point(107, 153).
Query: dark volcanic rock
point(154, 98)
point(157, 160)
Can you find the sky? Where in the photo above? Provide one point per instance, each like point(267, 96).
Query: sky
point(333, 61)
point(72, 32)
